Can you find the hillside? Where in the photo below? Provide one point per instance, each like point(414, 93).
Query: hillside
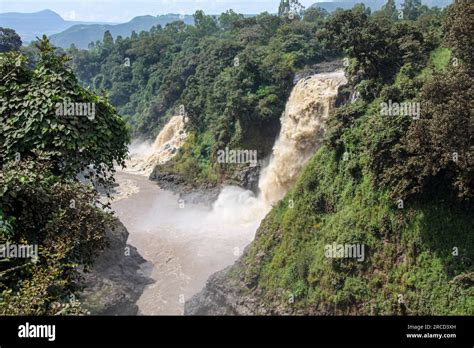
point(416, 260)
point(82, 35)
point(32, 25)
point(359, 189)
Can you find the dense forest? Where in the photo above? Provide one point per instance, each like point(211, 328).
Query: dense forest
point(232, 75)
point(401, 186)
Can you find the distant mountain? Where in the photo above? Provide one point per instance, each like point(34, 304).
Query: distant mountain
point(375, 5)
point(31, 25)
point(82, 35)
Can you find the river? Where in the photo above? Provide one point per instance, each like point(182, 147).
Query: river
point(183, 244)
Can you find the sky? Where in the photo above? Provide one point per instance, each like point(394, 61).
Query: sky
point(119, 11)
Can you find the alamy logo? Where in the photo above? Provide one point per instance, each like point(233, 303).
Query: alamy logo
point(15, 251)
point(237, 156)
point(400, 109)
point(68, 108)
point(355, 251)
point(37, 331)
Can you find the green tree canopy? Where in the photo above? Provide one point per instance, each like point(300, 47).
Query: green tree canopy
point(9, 40)
point(45, 110)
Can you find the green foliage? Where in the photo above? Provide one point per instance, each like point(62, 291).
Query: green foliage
point(290, 6)
point(108, 41)
point(42, 202)
point(411, 9)
point(60, 218)
point(440, 58)
point(459, 32)
point(232, 74)
point(377, 46)
point(433, 155)
point(29, 118)
point(407, 252)
point(9, 40)
point(390, 10)
point(193, 160)
point(315, 14)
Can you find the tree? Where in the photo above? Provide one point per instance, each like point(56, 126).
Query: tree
point(432, 155)
point(269, 23)
point(108, 41)
point(47, 110)
point(390, 9)
point(46, 145)
point(205, 25)
point(290, 6)
point(316, 15)
point(284, 8)
point(411, 9)
point(61, 217)
point(9, 40)
point(229, 18)
point(459, 32)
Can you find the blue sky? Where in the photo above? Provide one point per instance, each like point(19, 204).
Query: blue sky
point(124, 10)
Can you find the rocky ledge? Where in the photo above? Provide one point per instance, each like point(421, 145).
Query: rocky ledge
point(246, 178)
point(116, 281)
point(175, 183)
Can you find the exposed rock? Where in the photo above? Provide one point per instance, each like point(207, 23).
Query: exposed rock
point(246, 178)
point(169, 181)
point(323, 67)
point(226, 294)
point(221, 297)
point(115, 282)
point(204, 194)
point(344, 96)
point(231, 292)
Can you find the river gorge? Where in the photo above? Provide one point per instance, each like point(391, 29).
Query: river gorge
point(184, 243)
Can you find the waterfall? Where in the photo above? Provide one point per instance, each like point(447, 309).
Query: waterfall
point(144, 157)
point(302, 129)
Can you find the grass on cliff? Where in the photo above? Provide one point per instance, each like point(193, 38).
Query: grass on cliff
point(408, 252)
point(418, 259)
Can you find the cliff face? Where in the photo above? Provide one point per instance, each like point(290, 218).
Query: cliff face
point(229, 292)
point(218, 298)
point(115, 281)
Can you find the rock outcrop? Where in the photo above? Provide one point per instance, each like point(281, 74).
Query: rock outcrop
point(116, 281)
point(223, 295)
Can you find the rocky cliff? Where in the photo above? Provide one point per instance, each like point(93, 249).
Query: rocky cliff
point(115, 282)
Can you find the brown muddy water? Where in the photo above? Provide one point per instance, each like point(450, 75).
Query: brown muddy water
point(183, 243)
